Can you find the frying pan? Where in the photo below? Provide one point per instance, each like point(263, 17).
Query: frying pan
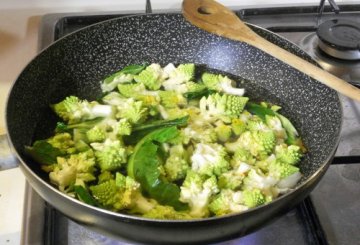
point(75, 64)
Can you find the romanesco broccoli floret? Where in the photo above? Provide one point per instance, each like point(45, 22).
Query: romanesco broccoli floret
point(258, 143)
point(238, 126)
point(179, 78)
point(282, 170)
point(105, 176)
point(209, 159)
point(226, 202)
point(167, 213)
point(73, 110)
point(253, 198)
point(122, 127)
point(113, 98)
point(202, 132)
point(217, 105)
point(196, 190)
point(256, 179)
point(110, 83)
point(176, 165)
point(288, 154)
point(230, 180)
point(152, 77)
point(77, 169)
point(139, 92)
point(63, 142)
point(132, 110)
point(221, 84)
point(274, 123)
point(96, 134)
point(116, 195)
point(172, 99)
point(223, 132)
point(110, 155)
point(242, 156)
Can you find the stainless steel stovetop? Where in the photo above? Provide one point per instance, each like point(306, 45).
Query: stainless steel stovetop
point(331, 215)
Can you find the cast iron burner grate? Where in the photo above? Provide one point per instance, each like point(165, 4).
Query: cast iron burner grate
point(340, 39)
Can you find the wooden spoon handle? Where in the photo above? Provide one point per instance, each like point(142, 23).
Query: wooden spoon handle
point(216, 18)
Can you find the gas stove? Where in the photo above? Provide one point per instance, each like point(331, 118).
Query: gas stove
point(331, 214)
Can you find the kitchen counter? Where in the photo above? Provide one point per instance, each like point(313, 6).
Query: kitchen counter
point(19, 23)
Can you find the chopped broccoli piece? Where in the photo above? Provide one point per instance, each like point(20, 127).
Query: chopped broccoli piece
point(132, 110)
point(196, 190)
point(179, 77)
point(77, 169)
point(216, 104)
point(226, 202)
point(172, 99)
point(96, 134)
point(110, 83)
point(221, 84)
point(282, 170)
point(238, 126)
point(176, 164)
point(73, 110)
point(230, 180)
point(63, 142)
point(209, 159)
point(152, 77)
point(288, 154)
point(123, 127)
point(223, 132)
point(110, 155)
point(167, 213)
point(253, 198)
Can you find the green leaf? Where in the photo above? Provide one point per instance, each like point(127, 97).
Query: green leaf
point(198, 94)
point(43, 152)
point(85, 196)
point(134, 69)
point(143, 167)
point(139, 131)
point(259, 110)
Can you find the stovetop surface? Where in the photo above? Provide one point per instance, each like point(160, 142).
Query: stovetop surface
point(314, 221)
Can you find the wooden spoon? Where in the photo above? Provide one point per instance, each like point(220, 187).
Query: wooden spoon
point(216, 18)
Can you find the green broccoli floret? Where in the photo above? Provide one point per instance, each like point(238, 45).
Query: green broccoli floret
point(199, 132)
point(77, 169)
point(223, 132)
point(110, 83)
point(96, 134)
point(230, 180)
point(63, 142)
point(196, 190)
point(122, 127)
point(132, 110)
point(242, 156)
point(274, 123)
point(221, 83)
point(256, 179)
point(194, 87)
point(105, 176)
point(139, 92)
point(226, 202)
point(166, 213)
point(172, 99)
point(209, 159)
point(116, 194)
point(114, 99)
point(217, 105)
point(179, 77)
point(152, 77)
point(282, 170)
point(73, 110)
point(176, 165)
point(238, 126)
point(110, 155)
point(288, 154)
point(253, 198)
point(259, 143)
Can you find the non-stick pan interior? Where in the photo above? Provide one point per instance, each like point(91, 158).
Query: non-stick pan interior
point(76, 64)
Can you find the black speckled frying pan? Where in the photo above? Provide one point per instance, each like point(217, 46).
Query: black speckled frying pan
point(76, 64)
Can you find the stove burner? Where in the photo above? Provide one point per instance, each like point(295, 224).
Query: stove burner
point(340, 39)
